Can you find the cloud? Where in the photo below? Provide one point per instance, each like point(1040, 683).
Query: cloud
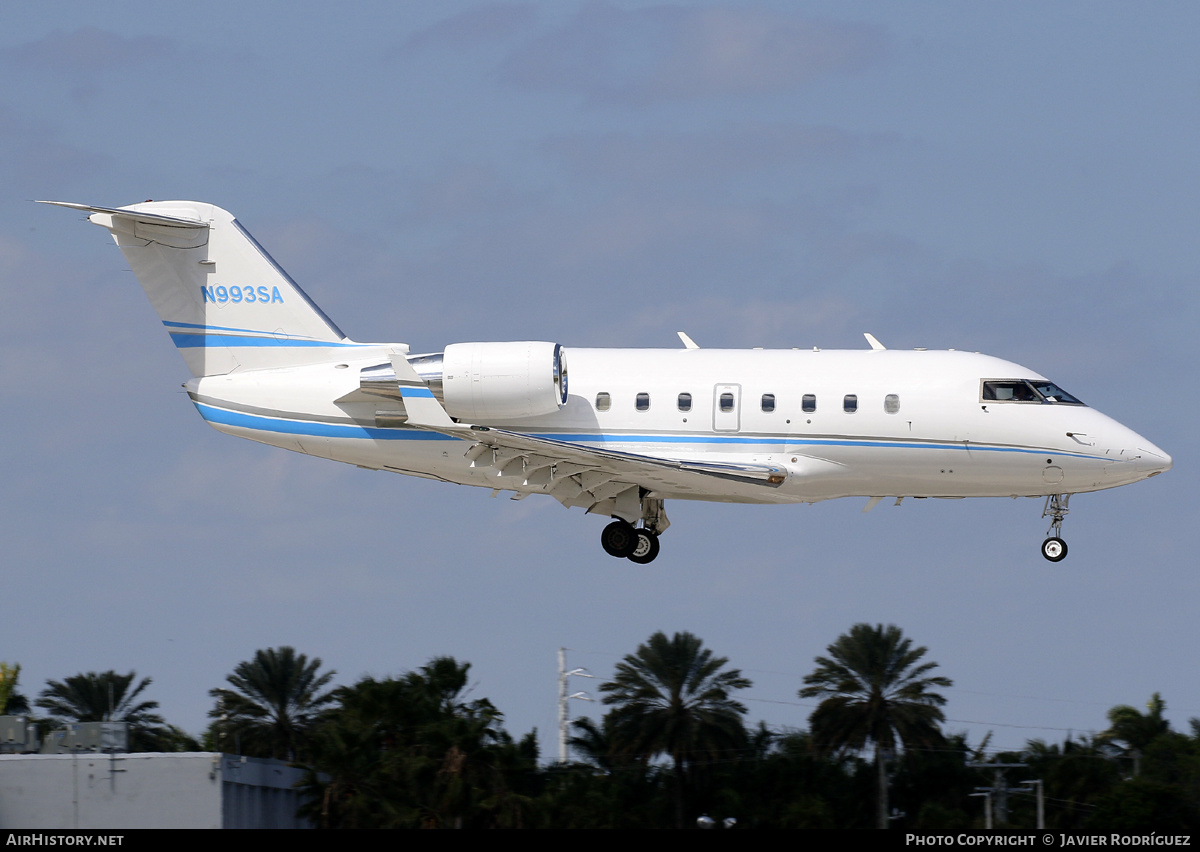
point(692, 158)
point(483, 23)
point(33, 162)
point(637, 57)
point(91, 49)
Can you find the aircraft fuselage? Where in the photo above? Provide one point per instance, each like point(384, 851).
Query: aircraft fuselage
point(882, 423)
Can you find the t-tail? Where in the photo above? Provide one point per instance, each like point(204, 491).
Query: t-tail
point(226, 303)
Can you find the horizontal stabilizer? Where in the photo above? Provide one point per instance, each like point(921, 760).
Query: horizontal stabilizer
point(135, 215)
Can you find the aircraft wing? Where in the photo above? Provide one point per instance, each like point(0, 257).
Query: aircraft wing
point(600, 480)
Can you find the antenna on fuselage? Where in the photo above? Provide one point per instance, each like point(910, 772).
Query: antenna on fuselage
point(688, 343)
point(875, 344)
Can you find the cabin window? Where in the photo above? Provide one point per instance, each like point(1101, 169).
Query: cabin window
point(685, 402)
point(809, 403)
point(603, 401)
point(850, 403)
point(891, 403)
point(643, 401)
point(768, 402)
point(726, 402)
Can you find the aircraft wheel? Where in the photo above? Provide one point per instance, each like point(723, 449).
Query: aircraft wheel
point(1054, 549)
point(619, 539)
point(646, 549)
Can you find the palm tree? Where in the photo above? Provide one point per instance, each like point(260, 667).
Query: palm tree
point(413, 752)
point(873, 691)
point(672, 697)
point(105, 697)
point(275, 701)
point(1136, 729)
point(12, 703)
point(595, 743)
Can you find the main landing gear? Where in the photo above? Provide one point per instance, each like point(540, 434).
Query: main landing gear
point(1054, 548)
point(637, 544)
point(622, 540)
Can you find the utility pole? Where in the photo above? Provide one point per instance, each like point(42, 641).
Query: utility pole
point(987, 809)
point(563, 674)
point(999, 788)
point(1041, 802)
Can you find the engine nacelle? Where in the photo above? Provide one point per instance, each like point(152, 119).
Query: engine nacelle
point(482, 382)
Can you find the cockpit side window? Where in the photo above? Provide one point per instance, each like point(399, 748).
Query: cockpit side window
point(1025, 390)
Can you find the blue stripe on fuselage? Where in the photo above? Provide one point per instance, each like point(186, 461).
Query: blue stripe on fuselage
point(338, 430)
point(795, 440)
point(191, 341)
point(225, 417)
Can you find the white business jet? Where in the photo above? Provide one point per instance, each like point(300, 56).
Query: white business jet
point(635, 427)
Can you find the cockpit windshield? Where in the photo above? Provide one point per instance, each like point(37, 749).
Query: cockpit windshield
point(1053, 393)
point(1026, 390)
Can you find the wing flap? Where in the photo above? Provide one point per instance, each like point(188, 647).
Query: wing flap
point(617, 463)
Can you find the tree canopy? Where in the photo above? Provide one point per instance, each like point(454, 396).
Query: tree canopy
point(412, 751)
point(420, 749)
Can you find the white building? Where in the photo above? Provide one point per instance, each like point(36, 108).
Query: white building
point(91, 790)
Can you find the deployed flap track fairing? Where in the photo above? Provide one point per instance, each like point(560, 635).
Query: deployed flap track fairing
point(631, 428)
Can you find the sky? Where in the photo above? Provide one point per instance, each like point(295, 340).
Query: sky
point(1019, 179)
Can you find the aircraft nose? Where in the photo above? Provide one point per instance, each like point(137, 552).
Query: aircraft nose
point(1151, 461)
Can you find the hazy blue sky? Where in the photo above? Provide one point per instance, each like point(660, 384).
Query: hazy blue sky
point(1020, 179)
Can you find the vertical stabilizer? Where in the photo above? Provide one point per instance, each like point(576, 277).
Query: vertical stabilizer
point(225, 302)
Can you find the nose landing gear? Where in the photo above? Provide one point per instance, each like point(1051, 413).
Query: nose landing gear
point(1054, 548)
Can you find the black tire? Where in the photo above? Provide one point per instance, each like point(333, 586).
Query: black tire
point(1054, 549)
point(646, 549)
point(619, 539)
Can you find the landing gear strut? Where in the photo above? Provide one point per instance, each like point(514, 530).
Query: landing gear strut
point(1054, 548)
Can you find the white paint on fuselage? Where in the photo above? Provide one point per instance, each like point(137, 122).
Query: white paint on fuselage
point(943, 441)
